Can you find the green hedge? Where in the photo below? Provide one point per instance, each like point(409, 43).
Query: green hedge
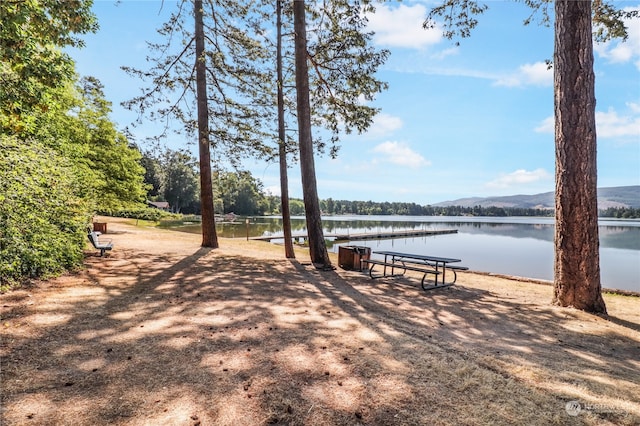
point(141, 213)
point(42, 220)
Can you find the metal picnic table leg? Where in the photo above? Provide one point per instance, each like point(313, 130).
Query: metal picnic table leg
point(384, 271)
point(393, 261)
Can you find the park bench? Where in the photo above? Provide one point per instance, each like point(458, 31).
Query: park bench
point(99, 245)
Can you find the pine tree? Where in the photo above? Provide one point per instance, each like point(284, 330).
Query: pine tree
point(577, 260)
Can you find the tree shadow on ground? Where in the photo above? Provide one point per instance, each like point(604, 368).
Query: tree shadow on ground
point(624, 323)
point(209, 338)
point(541, 344)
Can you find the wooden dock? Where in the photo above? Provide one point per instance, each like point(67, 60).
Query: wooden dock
point(366, 235)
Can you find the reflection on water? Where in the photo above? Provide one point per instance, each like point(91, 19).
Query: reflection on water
point(514, 246)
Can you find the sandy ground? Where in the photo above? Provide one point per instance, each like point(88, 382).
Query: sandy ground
point(164, 332)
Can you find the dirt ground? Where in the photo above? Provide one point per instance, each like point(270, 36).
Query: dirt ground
point(164, 332)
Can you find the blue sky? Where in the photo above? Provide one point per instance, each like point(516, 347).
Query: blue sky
point(457, 121)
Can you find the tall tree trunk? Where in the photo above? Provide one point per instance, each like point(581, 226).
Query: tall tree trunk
point(284, 179)
point(317, 245)
point(577, 259)
point(209, 236)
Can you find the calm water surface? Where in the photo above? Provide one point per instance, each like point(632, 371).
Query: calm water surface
point(514, 246)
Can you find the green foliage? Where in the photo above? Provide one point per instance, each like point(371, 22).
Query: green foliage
point(31, 35)
point(118, 175)
point(42, 220)
point(609, 21)
point(236, 86)
point(296, 206)
point(181, 181)
point(343, 63)
point(460, 17)
point(142, 213)
point(153, 175)
point(177, 179)
point(76, 124)
point(63, 154)
point(620, 212)
point(173, 177)
point(331, 206)
point(240, 193)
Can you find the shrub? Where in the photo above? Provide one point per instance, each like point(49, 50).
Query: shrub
point(150, 214)
point(42, 221)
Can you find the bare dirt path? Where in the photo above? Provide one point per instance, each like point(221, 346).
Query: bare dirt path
point(165, 332)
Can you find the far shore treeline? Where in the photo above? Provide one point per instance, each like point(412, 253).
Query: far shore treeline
point(411, 209)
point(268, 205)
point(173, 176)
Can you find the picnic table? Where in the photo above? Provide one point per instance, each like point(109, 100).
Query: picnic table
point(425, 264)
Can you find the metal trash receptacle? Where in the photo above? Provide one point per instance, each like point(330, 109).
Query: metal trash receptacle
point(350, 257)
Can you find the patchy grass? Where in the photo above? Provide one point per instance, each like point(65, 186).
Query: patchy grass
point(165, 332)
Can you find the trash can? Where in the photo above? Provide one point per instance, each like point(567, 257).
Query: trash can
point(350, 257)
point(100, 227)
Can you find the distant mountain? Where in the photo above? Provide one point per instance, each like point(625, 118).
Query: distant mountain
point(619, 196)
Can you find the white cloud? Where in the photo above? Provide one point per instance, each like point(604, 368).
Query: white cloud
point(402, 27)
point(536, 74)
point(384, 124)
point(609, 124)
point(446, 52)
point(620, 53)
point(419, 68)
point(401, 154)
point(616, 51)
point(548, 125)
point(519, 177)
point(275, 190)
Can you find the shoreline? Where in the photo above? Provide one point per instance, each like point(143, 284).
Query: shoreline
point(529, 260)
point(550, 283)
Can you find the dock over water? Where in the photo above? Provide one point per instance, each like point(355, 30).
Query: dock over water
point(366, 235)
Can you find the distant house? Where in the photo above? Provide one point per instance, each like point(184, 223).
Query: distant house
point(162, 205)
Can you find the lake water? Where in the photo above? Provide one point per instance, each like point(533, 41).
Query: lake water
point(520, 246)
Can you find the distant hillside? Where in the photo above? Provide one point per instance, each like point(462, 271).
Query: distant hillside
point(619, 196)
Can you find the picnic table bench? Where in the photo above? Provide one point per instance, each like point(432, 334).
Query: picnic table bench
point(425, 264)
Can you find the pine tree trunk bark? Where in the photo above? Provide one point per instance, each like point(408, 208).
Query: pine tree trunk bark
point(577, 258)
point(209, 236)
point(317, 244)
point(284, 179)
